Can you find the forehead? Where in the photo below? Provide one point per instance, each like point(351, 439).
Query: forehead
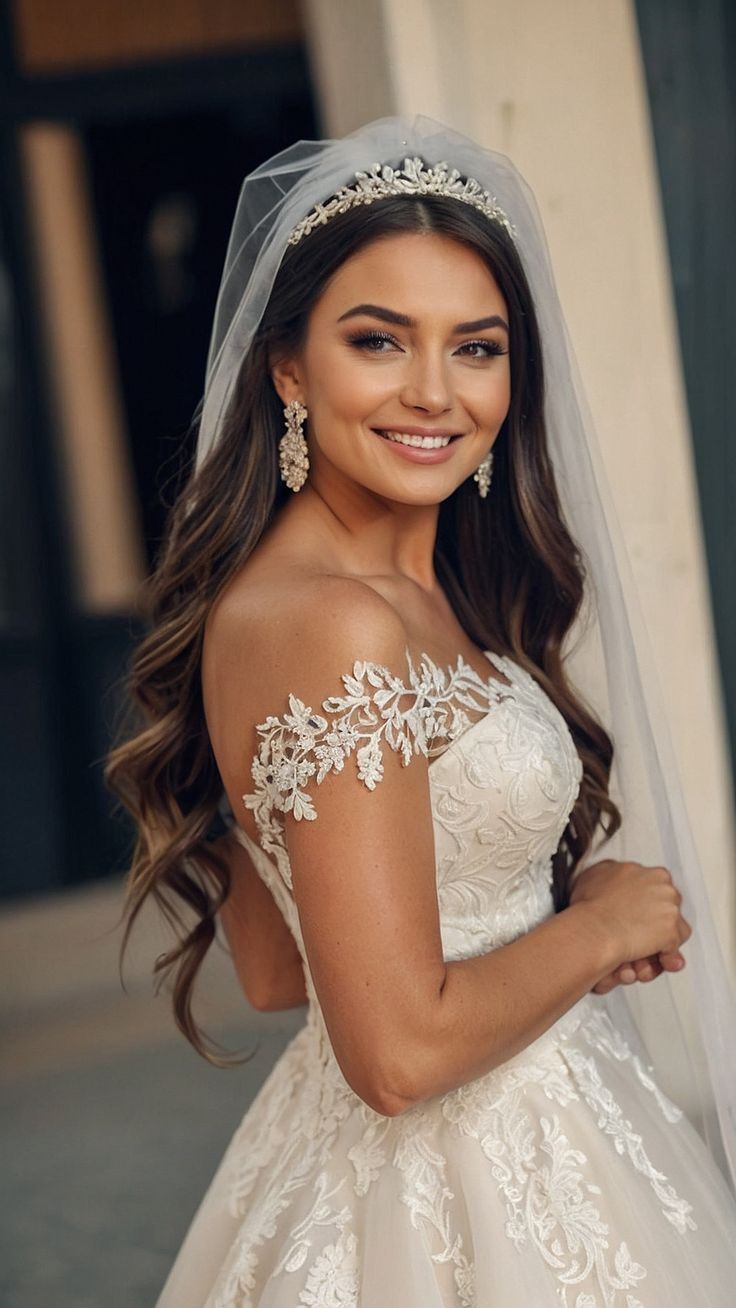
point(420, 270)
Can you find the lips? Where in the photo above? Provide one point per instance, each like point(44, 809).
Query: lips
point(418, 449)
point(413, 440)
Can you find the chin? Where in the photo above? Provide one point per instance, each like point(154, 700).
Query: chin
point(421, 498)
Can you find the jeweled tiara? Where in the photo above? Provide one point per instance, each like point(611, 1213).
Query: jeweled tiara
point(415, 178)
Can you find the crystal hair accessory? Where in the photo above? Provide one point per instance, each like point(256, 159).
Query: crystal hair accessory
point(415, 178)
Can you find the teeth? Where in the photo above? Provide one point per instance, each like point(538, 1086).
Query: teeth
point(419, 442)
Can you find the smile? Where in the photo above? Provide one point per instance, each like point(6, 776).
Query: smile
point(418, 442)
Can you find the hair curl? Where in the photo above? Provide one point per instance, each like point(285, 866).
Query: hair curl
point(514, 577)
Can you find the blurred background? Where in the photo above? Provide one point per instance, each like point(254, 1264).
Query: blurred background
point(125, 132)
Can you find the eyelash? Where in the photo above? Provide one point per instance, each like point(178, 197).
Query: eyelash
point(364, 339)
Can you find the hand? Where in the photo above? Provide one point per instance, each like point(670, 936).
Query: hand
point(642, 969)
point(599, 879)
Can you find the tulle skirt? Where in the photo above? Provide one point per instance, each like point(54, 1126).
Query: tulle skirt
point(563, 1178)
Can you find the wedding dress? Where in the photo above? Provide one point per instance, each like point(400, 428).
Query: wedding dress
point(564, 1178)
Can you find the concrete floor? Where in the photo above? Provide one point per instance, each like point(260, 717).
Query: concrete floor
point(111, 1125)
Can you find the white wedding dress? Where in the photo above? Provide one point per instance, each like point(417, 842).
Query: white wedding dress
point(565, 1178)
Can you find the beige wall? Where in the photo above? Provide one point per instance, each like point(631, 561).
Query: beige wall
point(560, 89)
point(100, 500)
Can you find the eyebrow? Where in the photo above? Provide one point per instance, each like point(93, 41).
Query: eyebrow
point(403, 319)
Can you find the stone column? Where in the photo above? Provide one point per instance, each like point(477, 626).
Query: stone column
point(560, 89)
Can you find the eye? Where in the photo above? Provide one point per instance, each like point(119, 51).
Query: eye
point(490, 349)
point(372, 341)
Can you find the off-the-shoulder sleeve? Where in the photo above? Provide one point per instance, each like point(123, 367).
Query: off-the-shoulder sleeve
point(298, 749)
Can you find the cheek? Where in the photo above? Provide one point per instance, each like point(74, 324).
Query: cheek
point(347, 389)
point(491, 401)
point(504, 399)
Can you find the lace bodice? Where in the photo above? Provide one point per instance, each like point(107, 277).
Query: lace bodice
point(504, 774)
point(562, 1176)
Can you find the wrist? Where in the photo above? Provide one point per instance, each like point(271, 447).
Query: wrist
point(605, 950)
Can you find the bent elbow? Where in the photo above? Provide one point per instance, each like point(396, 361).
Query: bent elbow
point(286, 989)
point(266, 1003)
point(383, 1101)
point(391, 1071)
point(269, 999)
point(275, 1001)
point(380, 1092)
point(260, 1001)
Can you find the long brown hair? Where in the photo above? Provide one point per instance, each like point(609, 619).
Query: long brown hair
point(509, 567)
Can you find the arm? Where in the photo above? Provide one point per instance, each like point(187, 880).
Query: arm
point(404, 1024)
point(264, 953)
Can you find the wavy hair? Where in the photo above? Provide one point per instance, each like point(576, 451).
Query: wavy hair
point(514, 577)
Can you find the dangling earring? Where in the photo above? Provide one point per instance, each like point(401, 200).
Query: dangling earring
point(293, 458)
point(483, 474)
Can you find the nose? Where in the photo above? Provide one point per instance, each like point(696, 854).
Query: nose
point(425, 385)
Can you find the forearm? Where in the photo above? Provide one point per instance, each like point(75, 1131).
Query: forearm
point(492, 1006)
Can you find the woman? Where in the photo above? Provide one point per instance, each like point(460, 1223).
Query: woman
point(363, 640)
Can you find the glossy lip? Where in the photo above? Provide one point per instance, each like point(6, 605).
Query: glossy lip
point(413, 453)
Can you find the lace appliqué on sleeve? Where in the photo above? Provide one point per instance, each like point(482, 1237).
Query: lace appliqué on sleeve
point(377, 708)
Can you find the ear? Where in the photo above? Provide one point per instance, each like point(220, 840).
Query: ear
point(286, 375)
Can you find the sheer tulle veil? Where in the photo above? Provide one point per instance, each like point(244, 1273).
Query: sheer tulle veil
point(683, 1025)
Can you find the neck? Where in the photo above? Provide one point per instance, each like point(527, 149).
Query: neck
point(369, 535)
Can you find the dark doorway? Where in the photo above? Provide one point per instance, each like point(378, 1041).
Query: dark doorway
point(167, 145)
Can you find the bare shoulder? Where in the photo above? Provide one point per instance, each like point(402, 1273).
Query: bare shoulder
point(299, 633)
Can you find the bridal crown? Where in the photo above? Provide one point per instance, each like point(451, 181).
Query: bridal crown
point(415, 178)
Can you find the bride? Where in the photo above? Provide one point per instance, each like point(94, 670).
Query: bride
point(389, 597)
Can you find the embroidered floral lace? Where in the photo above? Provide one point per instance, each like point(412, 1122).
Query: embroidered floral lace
point(563, 1177)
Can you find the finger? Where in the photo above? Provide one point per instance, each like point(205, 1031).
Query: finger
point(673, 961)
point(646, 969)
point(627, 974)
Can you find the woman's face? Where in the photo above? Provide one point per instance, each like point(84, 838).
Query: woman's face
point(409, 339)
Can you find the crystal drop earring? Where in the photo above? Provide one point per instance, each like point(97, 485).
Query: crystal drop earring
point(483, 474)
point(293, 456)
